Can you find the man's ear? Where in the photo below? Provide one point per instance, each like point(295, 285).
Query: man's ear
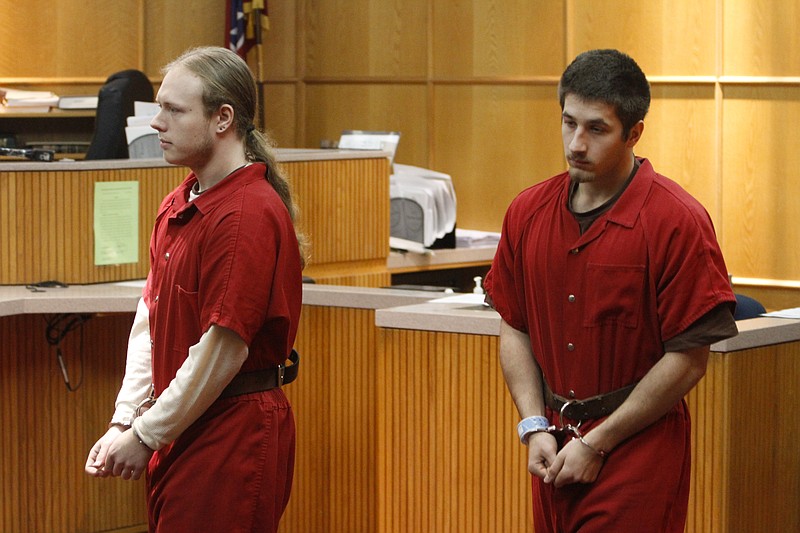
point(635, 134)
point(224, 117)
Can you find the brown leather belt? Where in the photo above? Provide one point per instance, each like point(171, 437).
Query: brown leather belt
point(587, 408)
point(263, 380)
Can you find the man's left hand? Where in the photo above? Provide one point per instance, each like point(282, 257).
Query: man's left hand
point(575, 463)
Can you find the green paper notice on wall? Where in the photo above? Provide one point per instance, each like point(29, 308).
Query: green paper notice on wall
point(116, 222)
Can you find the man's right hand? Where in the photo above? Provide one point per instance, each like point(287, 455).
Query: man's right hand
point(542, 450)
point(95, 463)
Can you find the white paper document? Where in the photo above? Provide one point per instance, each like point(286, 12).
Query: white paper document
point(785, 313)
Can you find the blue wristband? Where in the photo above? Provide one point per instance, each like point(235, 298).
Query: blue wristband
point(530, 425)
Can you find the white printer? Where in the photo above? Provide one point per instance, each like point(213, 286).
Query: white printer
point(423, 202)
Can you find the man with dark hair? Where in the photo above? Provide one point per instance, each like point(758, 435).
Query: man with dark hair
point(611, 287)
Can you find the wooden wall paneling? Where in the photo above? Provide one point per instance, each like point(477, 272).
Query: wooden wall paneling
point(281, 41)
point(490, 38)
point(60, 39)
point(167, 34)
point(761, 165)
point(760, 38)
point(366, 38)
point(46, 431)
point(332, 108)
point(449, 458)
point(280, 113)
point(495, 140)
point(680, 139)
point(665, 37)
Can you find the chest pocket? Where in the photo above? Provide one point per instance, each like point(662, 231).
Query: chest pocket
point(614, 294)
point(186, 332)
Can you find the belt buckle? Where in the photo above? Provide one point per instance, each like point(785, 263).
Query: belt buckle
point(561, 415)
point(281, 374)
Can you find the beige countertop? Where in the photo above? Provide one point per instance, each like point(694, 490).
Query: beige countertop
point(123, 296)
point(120, 297)
point(362, 297)
point(399, 309)
point(477, 319)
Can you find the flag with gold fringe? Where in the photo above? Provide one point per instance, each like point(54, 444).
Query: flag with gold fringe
point(244, 21)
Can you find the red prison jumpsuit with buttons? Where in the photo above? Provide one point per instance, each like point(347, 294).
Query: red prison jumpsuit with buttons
point(229, 258)
point(598, 308)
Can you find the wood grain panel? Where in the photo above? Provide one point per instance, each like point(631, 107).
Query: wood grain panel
point(344, 208)
point(495, 141)
point(744, 480)
point(280, 113)
point(679, 141)
point(760, 38)
point(68, 39)
point(450, 459)
point(47, 221)
point(283, 41)
point(446, 424)
point(761, 165)
point(48, 224)
point(333, 108)
point(46, 431)
point(481, 38)
point(366, 38)
point(323, 274)
point(168, 35)
point(658, 33)
point(335, 483)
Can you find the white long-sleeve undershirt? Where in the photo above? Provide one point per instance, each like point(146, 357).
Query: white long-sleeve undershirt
point(210, 366)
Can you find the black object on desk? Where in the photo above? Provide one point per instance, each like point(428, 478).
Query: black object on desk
point(34, 154)
point(115, 102)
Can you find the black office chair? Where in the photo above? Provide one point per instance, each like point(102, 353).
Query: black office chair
point(114, 106)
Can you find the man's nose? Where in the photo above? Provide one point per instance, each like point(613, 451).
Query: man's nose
point(155, 123)
point(578, 142)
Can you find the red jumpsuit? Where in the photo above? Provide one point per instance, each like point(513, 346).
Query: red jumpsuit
point(228, 258)
point(598, 308)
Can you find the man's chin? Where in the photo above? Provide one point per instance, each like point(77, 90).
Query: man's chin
point(580, 176)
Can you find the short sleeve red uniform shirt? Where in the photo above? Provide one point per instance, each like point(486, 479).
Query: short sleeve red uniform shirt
point(230, 258)
point(599, 306)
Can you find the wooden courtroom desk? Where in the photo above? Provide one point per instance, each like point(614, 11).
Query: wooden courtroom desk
point(404, 421)
point(451, 423)
point(46, 431)
point(47, 215)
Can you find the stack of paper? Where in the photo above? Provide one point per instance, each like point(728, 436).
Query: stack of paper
point(78, 102)
point(470, 238)
point(17, 101)
point(142, 139)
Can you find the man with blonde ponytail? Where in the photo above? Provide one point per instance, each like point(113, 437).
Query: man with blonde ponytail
point(201, 411)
